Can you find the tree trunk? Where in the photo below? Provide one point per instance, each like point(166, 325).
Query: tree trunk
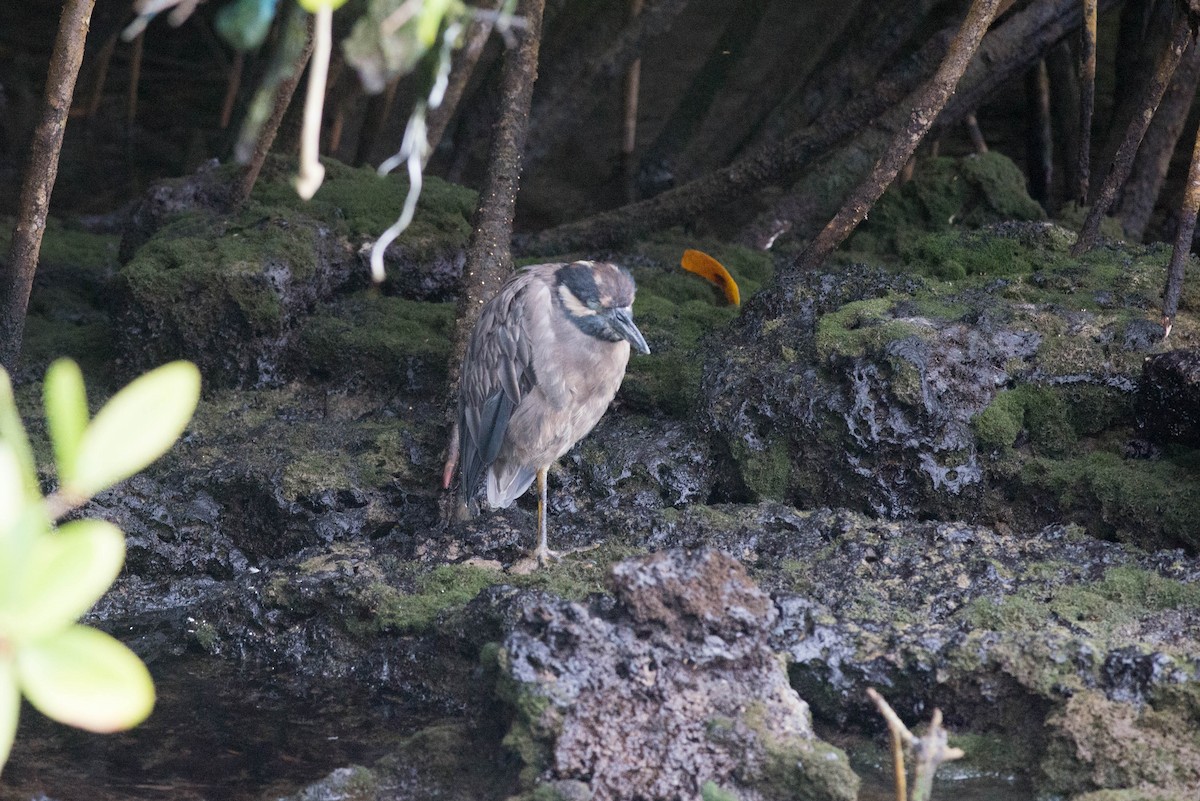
point(40, 172)
point(1181, 38)
point(1087, 99)
point(489, 260)
point(929, 103)
point(1183, 241)
point(1154, 157)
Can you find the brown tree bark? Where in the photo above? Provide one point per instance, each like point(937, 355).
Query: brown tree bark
point(40, 173)
point(1154, 156)
point(489, 260)
point(1087, 98)
point(284, 93)
point(931, 99)
point(1183, 241)
point(1181, 38)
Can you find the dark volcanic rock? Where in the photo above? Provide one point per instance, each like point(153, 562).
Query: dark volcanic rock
point(678, 664)
point(1169, 397)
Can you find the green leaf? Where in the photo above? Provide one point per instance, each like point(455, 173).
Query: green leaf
point(313, 6)
point(10, 707)
point(65, 574)
point(244, 24)
point(12, 489)
point(85, 678)
point(13, 433)
point(139, 424)
point(65, 401)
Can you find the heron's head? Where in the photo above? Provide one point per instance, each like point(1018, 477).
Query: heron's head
point(598, 298)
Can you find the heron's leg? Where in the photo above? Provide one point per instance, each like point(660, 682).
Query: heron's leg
point(543, 552)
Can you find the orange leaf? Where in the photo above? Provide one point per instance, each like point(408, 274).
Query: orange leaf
point(702, 264)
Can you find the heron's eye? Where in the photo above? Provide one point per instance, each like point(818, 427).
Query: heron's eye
point(594, 305)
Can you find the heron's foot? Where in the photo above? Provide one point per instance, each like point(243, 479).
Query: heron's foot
point(544, 555)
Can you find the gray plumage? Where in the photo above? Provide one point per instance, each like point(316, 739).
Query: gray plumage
point(543, 364)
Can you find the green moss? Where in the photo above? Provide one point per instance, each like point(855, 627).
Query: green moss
point(862, 327)
point(801, 768)
point(1122, 596)
point(361, 203)
point(64, 245)
point(711, 791)
point(1153, 503)
point(199, 266)
point(766, 472)
point(944, 193)
point(373, 336)
point(953, 255)
point(444, 587)
point(1043, 413)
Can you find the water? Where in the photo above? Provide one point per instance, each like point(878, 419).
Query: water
point(216, 733)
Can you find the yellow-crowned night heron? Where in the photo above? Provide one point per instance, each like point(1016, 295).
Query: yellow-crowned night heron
point(543, 364)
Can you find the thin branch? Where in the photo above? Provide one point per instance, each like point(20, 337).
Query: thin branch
point(40, 172)
point(930, 101)
point(466, 59)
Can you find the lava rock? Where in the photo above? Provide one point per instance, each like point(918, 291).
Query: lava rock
point(1169, 397)
point(680, 665)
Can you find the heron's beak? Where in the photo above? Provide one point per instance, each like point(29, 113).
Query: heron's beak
point(622, 321)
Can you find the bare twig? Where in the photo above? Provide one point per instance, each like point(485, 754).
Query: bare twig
point(931, 99)
point(1181, 37)
point(135, 78)
point(633, 79)
point(929, 751)
point(232, 87)
point(977, 140)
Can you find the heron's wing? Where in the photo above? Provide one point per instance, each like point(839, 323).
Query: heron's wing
point(497, 374)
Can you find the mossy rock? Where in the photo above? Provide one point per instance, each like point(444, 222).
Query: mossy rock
point(944, 193)
point(383, 341)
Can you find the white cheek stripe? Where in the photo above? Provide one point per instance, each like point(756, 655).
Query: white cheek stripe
point(574, 306)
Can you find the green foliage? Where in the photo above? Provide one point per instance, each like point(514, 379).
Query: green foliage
point(49, 576)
